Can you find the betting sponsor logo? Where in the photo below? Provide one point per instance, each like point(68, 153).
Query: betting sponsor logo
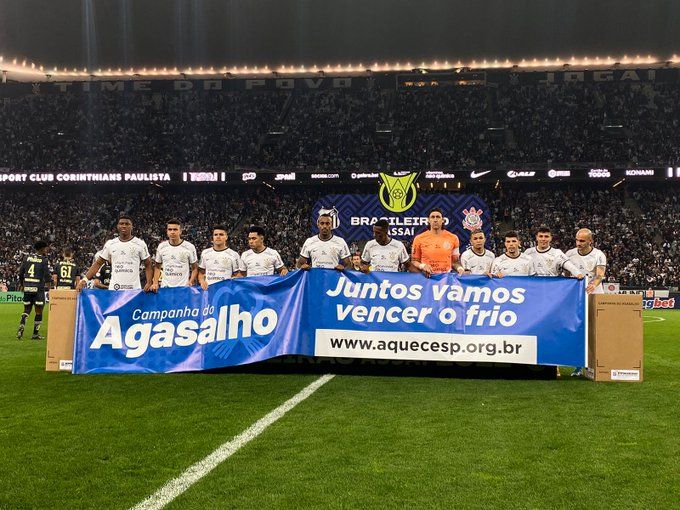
point(290, 176)
point(248, 176)
point(658, 303)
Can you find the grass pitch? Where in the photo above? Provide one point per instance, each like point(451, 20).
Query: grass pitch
point(359, 442)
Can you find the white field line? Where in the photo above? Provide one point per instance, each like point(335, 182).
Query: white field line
point(194, 473)
point(653, 317)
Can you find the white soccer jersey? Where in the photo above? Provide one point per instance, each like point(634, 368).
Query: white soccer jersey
point(218, 265)
point(521, 265)
point(325, 254)
point(266, 262)
point(385, 258)
point(125, 257)
point(587, 264)
point(549, 262)
point(238, 262)
point(176, 262)
point(477, 264)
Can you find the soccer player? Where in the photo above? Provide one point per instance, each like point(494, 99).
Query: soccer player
point(125, 253)
point(259, 259)
point(217, 263)
point(324, 250)
point(550, 261)
point(436, 250)
point(477, 259)
point(591, 262)
point(177, 258)
point(512, 262)
point(382, 253)
point(65, 272)
point(34, 277)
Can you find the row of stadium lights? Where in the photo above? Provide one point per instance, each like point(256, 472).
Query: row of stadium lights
point(27, 67)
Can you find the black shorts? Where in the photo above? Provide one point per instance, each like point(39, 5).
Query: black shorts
point(34, 298)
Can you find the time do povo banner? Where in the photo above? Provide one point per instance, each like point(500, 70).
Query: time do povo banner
point(404, 316)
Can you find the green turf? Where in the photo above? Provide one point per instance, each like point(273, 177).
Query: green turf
point(359, 442)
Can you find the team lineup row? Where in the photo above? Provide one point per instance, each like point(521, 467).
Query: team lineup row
point(176, 263)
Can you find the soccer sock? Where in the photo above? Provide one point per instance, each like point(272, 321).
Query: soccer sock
point(36, 324)
point(24, 316)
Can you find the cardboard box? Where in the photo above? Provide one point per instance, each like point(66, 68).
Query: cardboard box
point(61, 330)
point(615, 345)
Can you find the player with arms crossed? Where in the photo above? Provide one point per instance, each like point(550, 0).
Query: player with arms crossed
point(217, 263)
point(513, 262)
point(382, 253)
point(177, 258)
point(477, 259)
point(34, 278)
point(324, 250)
point(261, 260)
point(66, 272)
point(125, 253)
point(436, 250)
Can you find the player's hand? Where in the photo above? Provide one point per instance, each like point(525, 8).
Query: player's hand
point(590, 288)
point(580, 276)
point(192, 283)
point(81, 285)
point(305, 267)
point(153, 287)
point(204, 285)
point(284, 271)
point(426, 269)
point(340, 267)
point(461, 271)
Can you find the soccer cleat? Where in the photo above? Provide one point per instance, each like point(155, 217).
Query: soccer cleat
point(20, 332)
point(37, 337)
point(578, 372)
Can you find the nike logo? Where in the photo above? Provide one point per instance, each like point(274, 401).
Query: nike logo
point(474, 175)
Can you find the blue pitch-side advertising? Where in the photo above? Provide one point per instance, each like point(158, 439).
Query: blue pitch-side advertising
point(354, 215)
point(403, 316)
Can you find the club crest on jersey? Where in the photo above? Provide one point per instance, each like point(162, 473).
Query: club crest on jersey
point(473, 219)
point(334, 214)
point(397, 194)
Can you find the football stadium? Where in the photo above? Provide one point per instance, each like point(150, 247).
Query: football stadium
point(294, 254)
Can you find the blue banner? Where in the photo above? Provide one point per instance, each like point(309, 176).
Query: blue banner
point(526, 320)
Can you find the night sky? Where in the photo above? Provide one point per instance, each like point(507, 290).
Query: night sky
point(102, 33)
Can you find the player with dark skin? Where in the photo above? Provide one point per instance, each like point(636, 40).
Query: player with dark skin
point(325, 224)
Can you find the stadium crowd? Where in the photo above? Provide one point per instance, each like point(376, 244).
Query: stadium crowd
point(638, 230)
point(343, 129)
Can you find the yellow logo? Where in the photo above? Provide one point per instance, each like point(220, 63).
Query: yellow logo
point(397, 194)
